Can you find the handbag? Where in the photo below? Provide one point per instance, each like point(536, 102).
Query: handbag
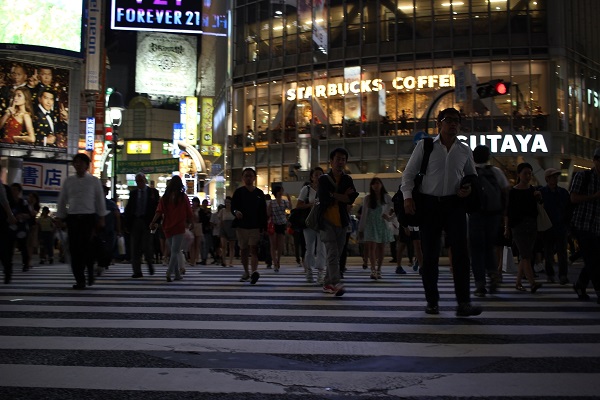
point(271, 228)
point(312, 221)
point(121, 245)
point(508, 260)
point(298, 217)
point(543, 220)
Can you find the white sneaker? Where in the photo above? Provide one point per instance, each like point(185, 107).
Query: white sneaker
point(321, 277)
point(309, 275)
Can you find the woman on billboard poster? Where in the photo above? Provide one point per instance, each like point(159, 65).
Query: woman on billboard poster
point(16, 121)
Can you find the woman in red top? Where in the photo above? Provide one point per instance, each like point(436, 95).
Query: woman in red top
point(175, 207)
point(16, 121)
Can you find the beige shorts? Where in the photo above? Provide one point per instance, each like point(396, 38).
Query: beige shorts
point(247, 237)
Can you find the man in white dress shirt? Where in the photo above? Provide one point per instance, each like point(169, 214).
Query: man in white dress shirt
point(443, 198)
point(81, 203)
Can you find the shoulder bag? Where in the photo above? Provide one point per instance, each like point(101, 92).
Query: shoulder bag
point(543, 220)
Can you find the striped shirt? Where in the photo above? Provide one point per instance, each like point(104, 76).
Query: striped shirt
point(586, 216)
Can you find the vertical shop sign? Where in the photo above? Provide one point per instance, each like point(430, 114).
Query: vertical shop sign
point(191, 124)
point(206, 121)
point(178, 136)
point(93, 47)
point(90, 130)
point(460, 82)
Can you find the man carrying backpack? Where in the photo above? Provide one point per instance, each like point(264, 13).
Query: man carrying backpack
point(491, 188)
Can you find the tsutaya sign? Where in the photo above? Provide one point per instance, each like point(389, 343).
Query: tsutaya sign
point(508, 142)
point(370, 85)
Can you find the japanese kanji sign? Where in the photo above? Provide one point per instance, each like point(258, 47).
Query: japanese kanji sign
point(43, 176)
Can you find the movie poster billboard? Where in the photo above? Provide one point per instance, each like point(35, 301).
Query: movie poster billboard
point(34, 107)
point(166, 64)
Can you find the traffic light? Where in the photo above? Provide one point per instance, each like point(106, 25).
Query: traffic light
point(493, 88)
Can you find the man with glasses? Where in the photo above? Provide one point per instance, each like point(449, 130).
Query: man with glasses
point(585, 193)
point(443, 194)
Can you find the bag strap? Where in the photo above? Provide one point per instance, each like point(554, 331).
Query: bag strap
point(427, 150)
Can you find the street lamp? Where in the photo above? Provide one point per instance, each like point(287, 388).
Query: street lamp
point(115, 109)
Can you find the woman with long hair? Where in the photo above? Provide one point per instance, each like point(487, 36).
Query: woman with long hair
point(175, 207)
point(227, 232)
point(374, 223)
point(315, 248)
point(276, 212)
point(521, 222)
point(16, 121)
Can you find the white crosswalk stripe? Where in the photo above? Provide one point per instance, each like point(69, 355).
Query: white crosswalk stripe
point(211, 336)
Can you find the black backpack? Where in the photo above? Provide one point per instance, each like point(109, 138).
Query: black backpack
point(487, 193)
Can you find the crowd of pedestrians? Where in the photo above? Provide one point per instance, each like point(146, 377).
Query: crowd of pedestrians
point(450, 197)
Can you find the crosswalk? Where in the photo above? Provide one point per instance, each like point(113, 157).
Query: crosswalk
point(211, 336)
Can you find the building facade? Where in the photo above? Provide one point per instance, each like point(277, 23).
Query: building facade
point(371, 76)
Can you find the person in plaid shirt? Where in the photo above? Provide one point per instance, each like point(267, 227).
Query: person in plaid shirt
point(585, 223)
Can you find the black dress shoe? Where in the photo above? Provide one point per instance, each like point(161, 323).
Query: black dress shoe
point(91, 281)
point(432, 309)
point(581, 294)
point(137, 276)
point(79, 286)
point(151, 269)
point(535, 287)
point(467, 310)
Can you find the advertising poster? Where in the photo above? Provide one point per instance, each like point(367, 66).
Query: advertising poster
point(352, 102)
point(34, 108)
point(166, 64)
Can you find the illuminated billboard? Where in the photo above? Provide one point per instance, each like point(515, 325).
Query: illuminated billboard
point(174, 16)
point(208, 17)
point(36, 103)
point(166, 64)
point(48, 26)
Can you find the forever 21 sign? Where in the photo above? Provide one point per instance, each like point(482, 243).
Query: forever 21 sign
point(176, 16)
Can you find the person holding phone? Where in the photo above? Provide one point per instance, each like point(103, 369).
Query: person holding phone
point(443, 196)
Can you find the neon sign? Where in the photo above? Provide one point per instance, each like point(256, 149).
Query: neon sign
point(507, 142)
point(157, 15)
point(370, 85)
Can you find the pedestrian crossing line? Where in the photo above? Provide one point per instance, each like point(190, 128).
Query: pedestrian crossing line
point(277, 382)
point(283, 326)
point(200, 307)
point(301, 347)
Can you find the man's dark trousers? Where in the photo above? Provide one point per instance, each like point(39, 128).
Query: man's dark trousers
point(141, 242)
point(444, 214)
point(81, 228)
